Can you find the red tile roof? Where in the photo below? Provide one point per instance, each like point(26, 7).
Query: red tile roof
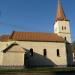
point(4, 38)
point(36, 36)
point(60, 15)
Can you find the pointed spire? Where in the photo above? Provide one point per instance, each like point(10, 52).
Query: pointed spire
point(60, 16)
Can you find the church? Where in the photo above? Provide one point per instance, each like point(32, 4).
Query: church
point(38, 49)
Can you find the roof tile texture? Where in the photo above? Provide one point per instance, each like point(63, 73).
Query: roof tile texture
point(60, 16)
point(4, 38)
point(35, 36)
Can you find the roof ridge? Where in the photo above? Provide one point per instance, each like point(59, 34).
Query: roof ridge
point(30, 32)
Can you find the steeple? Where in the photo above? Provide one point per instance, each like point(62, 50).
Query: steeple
point(60, 16)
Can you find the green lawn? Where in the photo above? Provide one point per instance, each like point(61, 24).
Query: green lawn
point(39, 70)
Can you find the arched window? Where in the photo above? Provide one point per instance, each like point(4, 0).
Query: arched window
point(44, 52)
point(62, 28)
point(58, 53)
point(65, 38)
point(31, 52)
point(65, 28)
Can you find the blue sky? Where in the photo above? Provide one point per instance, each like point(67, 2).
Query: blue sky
point(33, 15)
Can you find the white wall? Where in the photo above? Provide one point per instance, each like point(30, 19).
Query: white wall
point(13, 59)
point(59, 25)
point(1, 58)
point(14, 56)
point(51, 51)
point(63, 33)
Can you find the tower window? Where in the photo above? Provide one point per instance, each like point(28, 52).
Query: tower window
point(58, 53)
point(65, 28)
point(31, 52)
point(44, 52)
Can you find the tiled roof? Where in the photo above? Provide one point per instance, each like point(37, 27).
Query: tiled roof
point(60, 16)
point(36, 36)
point(4, 38)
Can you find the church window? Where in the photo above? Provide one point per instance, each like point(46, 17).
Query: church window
point(58, 53)
point(62, 28)
point(65, 38)
point(65, 28)
point(31, 52)
point(45, 52)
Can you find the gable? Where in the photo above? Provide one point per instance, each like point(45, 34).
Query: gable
point(14, 48)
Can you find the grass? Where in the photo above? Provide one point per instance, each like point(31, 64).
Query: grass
point(38, 70)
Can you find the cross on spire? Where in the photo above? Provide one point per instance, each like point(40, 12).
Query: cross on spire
point(60, 16)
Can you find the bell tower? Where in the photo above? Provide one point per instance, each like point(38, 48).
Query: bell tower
point(61, 26)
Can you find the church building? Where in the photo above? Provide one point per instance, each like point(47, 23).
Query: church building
point(38, 49)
